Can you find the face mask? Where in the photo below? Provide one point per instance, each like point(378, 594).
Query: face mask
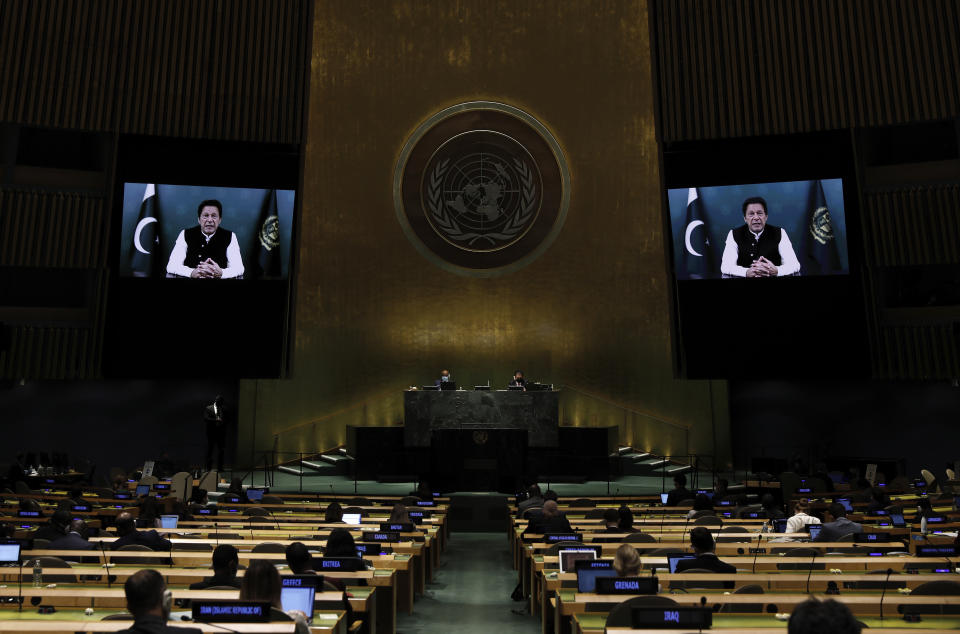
point(445, 379)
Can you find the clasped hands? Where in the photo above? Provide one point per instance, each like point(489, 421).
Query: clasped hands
point(207, 268)
point(762, 267)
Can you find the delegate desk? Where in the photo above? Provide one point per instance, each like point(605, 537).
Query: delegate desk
point(536, 412)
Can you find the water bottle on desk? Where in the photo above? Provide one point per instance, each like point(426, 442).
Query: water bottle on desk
point(37, 576)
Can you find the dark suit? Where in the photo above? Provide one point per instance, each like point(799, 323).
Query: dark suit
point(678, 495)
point(832, 531)
point(48, 532)
point(216, 434)
point(70, 541)
point(538, 524)
point(707, 561)
point(150, 539)
point(156, 625)
point(217, 580)
point(531, 502)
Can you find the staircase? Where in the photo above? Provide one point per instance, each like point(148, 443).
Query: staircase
point(335, 462)
point(642, 463)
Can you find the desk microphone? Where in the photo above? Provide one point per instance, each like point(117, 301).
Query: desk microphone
point(810, 572)
point(756, 553)
point(703, 606)
point(20, 588)
point(106, 562)
point(884, 592)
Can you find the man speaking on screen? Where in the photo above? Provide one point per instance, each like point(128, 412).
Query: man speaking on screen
point(758, 249)
point(206, 251)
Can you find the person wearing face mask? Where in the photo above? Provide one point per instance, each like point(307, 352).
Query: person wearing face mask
point(445, 378)
point(758, 249)
point(149, 601)
point(206, 251)
point(518, 381)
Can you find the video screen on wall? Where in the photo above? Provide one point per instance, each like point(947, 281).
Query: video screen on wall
point(774, 229)
point(205, 232)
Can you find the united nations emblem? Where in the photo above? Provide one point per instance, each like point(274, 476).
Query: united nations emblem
point(820, 227)
point(481, 188)
point(270, 233)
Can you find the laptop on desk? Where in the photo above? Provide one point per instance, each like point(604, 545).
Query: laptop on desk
point(297, 593)
point(9, 553)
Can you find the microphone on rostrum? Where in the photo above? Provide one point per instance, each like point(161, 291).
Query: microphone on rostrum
point(20, 588)
point(884, 591)
point(810, 572)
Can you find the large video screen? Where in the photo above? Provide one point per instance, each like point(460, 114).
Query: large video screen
point(201, 232)
point(779, 229)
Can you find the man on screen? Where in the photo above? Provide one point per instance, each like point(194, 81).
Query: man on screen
point(758, 249)
point(206, 251)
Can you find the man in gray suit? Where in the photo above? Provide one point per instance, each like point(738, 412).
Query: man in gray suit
point(836, 524)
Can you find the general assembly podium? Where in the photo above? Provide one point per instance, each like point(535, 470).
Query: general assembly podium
point(481, 440)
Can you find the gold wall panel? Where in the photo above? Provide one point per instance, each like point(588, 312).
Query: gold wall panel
point(372, 316)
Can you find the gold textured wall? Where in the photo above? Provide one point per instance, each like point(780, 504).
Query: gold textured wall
point(372, 316)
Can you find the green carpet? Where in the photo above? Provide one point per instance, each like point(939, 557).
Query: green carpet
point(471, 592)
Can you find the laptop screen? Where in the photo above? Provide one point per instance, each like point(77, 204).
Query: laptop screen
point(9, 552)
point(672, 560)
point(297, 593)
point(814, 530)
point(589, 571)
point(568, 557)
point(351, 518)
point(780, 526)
point(254, 495)
point(664, 497)
point(846, 504)
point(897, 520)
point(168, 521)
point(143, 489)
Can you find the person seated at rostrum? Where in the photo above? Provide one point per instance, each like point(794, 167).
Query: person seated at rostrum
point(706, 559)
point(127, 533)
point(836, 525)
point(261, 582)
point(236, 494)
point(550, 520)
point(611, 521)
point(799, 521)
point(149, 601)
point(627, 561)
point(225, 564)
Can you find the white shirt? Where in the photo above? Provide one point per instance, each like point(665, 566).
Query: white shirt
point(797, 523)
point(176, 266)
point(728, 264)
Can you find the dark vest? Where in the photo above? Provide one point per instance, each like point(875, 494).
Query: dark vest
point(749, 248)
point(198, 249)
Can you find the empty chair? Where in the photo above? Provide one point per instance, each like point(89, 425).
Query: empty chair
point(51, 562)
point(181, 485)
point(931, 480)
point(261, 519)
point(890, 584)
point(951, 474)
point(40, 543)
point(686, 503)
point(359, 502)
point(192, 546)
point(271, 499)
point(703, 584)
point(256, 511)
point(583, 503)
point(811, 553)
point(640, 538)
point(138, 561)
point(745, 607)
point(269, 547)
point(594, 514)
point(734, 529)
point(708, 520)
point(934, 588)
point(621, 614)
point(224, 536)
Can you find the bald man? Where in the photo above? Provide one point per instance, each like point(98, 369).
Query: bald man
point(549, 520)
